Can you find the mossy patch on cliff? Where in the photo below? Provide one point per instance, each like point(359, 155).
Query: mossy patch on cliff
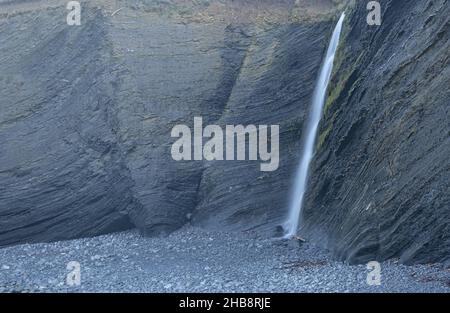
point(326, 132)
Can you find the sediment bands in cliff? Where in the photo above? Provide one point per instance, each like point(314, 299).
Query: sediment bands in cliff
point(87, 113)
point(379, 186)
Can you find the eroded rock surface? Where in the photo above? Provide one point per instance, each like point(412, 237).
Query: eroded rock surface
point(379, 186)
point(87, 112)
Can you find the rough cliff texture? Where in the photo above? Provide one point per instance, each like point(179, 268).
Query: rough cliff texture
point(62, 172)
point(379, 184)
point(87, 112)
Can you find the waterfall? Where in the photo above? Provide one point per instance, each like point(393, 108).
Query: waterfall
point(296, 201)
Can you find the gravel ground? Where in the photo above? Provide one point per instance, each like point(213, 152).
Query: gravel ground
point(194, 260)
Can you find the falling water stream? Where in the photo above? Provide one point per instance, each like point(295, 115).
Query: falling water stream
point(296, 201)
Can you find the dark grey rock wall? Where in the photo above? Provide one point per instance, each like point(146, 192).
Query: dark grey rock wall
point(87, 113)
point(274, 86)
point(227, 73)
point(380, 184)
point(62, 173)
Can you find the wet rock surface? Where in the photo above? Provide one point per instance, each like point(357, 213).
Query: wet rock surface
point(380, 179)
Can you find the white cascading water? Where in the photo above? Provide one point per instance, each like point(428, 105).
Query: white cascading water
point(292, 223)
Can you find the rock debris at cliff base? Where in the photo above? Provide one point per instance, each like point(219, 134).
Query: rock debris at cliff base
point(195, 260)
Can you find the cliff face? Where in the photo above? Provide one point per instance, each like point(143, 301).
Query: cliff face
point(87, 112)
point(379, 184)
point(62, 172)
point(228, 71)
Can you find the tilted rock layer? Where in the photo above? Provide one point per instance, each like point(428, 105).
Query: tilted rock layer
point(380, 180)
point(87, 113)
